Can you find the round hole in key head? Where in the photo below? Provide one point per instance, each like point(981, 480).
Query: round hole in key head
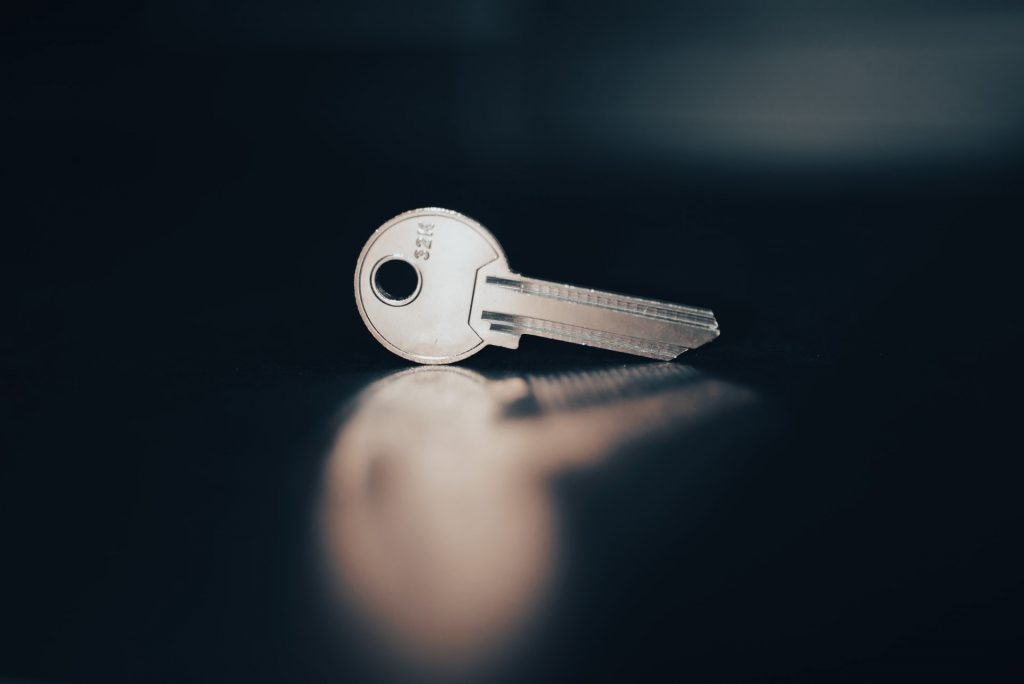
point(395, 281)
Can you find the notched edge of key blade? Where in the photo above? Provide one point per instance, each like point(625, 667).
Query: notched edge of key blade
point(514, 305)
point(610, 301)
point(587, 337)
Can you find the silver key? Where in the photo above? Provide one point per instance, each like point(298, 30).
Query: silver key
point(433, 286)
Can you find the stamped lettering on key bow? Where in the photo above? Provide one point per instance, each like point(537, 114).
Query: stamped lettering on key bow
point(424, 240)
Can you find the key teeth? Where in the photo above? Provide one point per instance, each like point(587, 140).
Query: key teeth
point(638, 306)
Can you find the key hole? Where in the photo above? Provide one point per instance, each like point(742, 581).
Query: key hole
point(396, 281)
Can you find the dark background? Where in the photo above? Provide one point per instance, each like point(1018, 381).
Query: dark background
point(185, 189)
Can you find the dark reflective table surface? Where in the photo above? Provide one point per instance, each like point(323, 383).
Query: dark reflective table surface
point(585, 518)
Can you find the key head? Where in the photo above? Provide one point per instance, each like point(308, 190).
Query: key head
point(414, 284)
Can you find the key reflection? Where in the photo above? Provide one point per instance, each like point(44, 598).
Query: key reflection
point(438, 526)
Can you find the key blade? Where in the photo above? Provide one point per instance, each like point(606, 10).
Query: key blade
point(507, 305)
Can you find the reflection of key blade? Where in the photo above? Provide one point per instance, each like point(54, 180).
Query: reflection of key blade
point(574, 390)
point(510, 305)
point(569, 391)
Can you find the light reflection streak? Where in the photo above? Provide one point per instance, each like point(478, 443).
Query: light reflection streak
point(437, 523)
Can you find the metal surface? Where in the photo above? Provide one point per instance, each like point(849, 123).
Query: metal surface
point(467, 298)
